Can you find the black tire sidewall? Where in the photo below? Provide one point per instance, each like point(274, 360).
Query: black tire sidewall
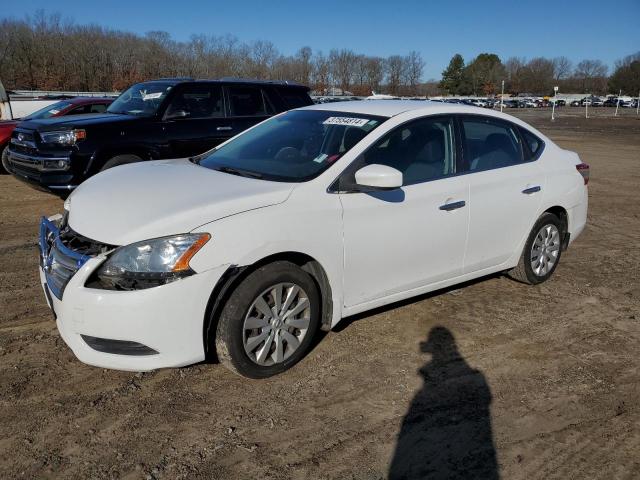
point(546, 219)
point(120, 160)
point(5, 158)
point(237, 306)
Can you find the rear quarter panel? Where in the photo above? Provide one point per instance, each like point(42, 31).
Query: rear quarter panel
point(565, 186)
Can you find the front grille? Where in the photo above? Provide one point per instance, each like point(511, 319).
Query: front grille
point(63, 252)
point(23, 149)
point(23, 142)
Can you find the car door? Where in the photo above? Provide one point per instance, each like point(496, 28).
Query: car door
point(248, 105)
point(402, 239)
point(194, 120)
point(505, 190)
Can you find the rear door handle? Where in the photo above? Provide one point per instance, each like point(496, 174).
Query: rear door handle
point(453, 205)
point(222, 129)
point(530, 190)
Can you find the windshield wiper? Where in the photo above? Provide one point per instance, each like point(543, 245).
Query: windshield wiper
point(237, 171)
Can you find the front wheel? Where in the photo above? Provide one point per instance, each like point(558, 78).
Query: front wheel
point(120, 160)
point(5, 161)
point(542, 251)
point(268, 323)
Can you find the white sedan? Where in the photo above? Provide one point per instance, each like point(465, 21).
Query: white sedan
point(243, 253)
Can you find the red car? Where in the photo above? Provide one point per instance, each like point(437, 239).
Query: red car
point(71, 106)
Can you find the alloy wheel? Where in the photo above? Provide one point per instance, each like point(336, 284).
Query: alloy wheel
point(276, 323)
point(545, 250)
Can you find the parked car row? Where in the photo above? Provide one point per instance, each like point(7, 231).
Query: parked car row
point(169, 118)
point(608, 102)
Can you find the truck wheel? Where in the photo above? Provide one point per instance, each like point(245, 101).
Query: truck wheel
point(268, 322)
point(542, 251)
point(120, 160)
point(5, 161)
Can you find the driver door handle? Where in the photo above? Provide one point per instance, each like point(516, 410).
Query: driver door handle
point(452, 205)
point(222, 129)
point(530, 190)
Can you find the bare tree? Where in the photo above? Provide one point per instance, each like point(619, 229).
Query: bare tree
point(414, 66)
point(395, 69)
point(592, 75)
point(562, 68)
point(321, 76)
point(342, 67)
point(375, 72)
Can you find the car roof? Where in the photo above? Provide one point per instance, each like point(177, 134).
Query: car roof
point(391, 108)
point(229, 80)
point(82, 100)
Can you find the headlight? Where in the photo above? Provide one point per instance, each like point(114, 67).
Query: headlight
point(149, 263)
point(65, 137)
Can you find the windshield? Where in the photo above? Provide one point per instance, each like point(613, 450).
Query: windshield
point(293, 147)
point(142, 99)
point(48, 111)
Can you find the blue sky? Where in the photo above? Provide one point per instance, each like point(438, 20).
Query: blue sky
point(578, 29)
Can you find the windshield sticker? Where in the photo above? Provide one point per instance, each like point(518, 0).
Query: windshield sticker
point(53, 111)
point(348, 121)
point(151, 96)
point(320, 158)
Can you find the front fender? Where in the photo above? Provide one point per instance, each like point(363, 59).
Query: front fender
point(249, 237)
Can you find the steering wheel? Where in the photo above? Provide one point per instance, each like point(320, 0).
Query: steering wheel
point(288, 154)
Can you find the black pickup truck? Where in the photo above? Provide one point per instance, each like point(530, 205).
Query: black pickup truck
point(168, 118)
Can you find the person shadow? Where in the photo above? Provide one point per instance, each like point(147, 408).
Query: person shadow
point(446, 434)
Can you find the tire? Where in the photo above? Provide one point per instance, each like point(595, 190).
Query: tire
point(253, 352)
point(120, 160)
point(547, 233)
point(5, 161)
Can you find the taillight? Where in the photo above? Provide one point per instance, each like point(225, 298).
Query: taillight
point(583, 169)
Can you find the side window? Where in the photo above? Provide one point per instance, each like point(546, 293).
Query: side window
point(198, 101)
point(98, 108)
point(422, 150)
point(533, 143)
point(490, 144)
point(246, 101)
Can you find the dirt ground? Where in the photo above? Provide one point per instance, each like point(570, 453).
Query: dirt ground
point(519, 382)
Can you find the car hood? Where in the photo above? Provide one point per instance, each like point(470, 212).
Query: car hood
point(76, 121)
point(153, 199)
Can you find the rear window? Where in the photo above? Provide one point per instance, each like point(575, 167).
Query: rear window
point(98, 108)
point(533, 143)
point(48, 111)
point(294, 98)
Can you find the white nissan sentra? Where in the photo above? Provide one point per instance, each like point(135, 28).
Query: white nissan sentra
point(246, 251)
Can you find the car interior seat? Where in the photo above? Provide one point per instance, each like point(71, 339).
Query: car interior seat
point(499, 152)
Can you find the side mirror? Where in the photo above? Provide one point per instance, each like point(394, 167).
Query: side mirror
point(379, 177)
point(177, 114)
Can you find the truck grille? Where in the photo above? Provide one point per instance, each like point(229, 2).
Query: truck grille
point(23, 142)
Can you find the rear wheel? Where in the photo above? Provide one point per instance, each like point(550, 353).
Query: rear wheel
point(120, 160)
point(542, 251)
point(268, 323)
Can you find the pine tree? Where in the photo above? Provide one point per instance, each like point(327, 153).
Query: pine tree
point(454, 77)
